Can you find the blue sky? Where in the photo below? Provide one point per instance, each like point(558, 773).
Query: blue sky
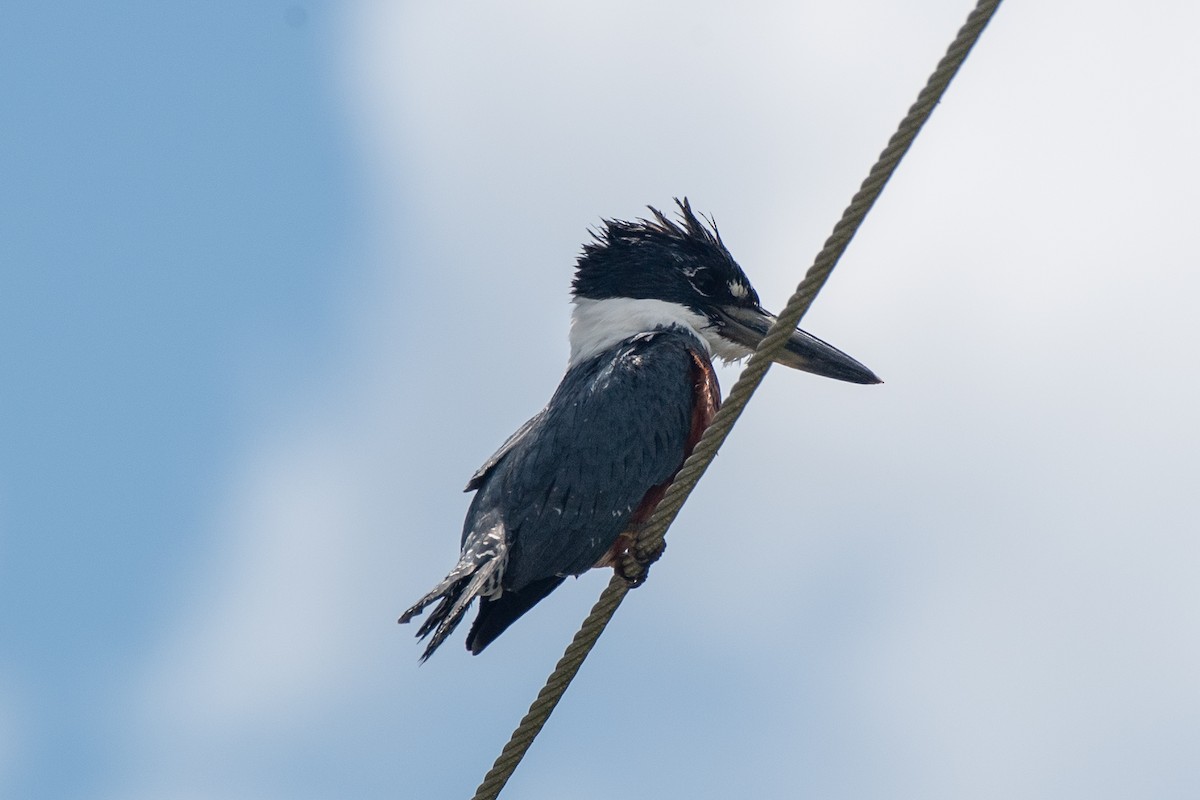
point(177, 199)
point(275, 279)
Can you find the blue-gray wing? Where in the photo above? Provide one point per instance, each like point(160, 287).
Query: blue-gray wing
point(512, 441)
point(565, 485)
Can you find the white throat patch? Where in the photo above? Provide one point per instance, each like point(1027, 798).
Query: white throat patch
point(597, 325)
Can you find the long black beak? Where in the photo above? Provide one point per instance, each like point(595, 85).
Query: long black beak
point(803, 351)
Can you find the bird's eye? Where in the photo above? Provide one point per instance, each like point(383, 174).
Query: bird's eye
point(706, 283)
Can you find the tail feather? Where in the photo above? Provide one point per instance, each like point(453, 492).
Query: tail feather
point(496, 614)
point(477, 573)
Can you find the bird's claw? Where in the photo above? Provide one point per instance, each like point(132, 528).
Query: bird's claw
point(634, 564)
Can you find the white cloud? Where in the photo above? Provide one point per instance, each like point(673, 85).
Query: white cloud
point(270, 631)
point(977, 575)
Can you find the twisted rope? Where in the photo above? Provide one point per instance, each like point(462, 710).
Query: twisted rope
point(651, 537)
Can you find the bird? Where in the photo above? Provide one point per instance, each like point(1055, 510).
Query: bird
point(656, 300)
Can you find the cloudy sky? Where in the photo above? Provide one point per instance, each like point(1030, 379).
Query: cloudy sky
point(275, 279)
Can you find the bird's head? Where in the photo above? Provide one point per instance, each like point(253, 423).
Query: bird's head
point(636, 276)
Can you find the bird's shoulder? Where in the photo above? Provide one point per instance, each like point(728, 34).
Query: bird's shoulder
point(653, 367)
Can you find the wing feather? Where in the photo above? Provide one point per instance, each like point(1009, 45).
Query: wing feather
point(568, 481)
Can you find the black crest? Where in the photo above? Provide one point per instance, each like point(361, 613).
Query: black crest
point(681, 261)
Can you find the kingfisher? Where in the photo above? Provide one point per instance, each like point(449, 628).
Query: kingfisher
point(655, 301)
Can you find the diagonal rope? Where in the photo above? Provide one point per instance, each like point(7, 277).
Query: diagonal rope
point(651, 538)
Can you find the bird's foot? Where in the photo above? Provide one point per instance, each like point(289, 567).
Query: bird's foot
point(648, 554)
point(633, 565)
